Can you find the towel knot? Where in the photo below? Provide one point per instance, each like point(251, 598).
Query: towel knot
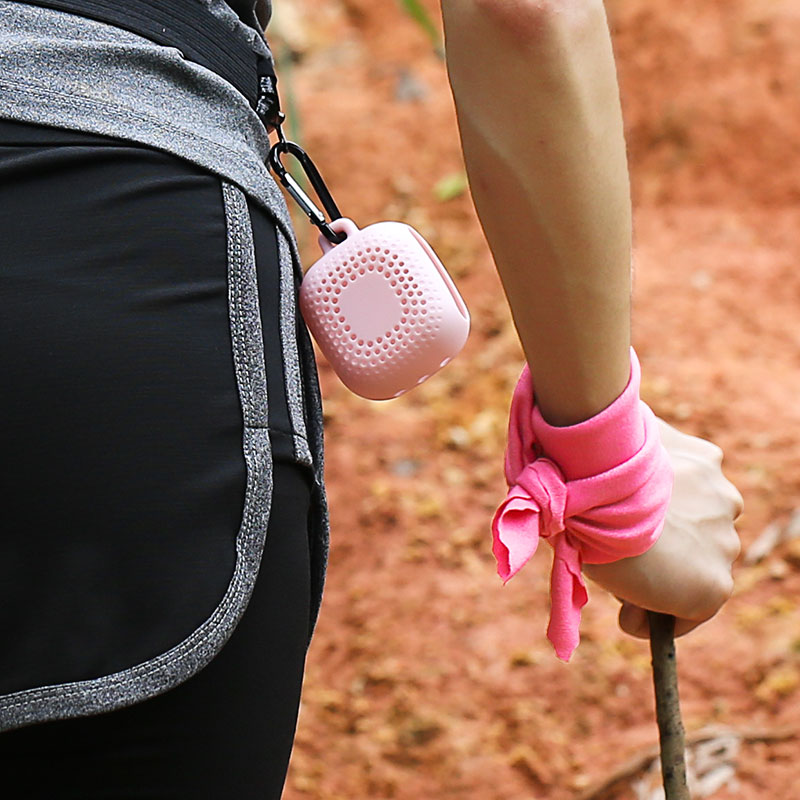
point(597, 492)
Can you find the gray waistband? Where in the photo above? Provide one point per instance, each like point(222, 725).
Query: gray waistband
point(70, 71)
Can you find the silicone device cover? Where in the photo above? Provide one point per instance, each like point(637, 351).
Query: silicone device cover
point(382, 308)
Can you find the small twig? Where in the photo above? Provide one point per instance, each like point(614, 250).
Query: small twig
point(637, 763)
point(668, 707)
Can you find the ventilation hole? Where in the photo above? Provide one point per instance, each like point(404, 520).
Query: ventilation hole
point(393, 282)
point(338, 290)
point(337, 310)
point(319, 291)
point(346, 327)
point(405, 271)
point(423, 302)
point(369, 249)
point(361, 252)
point(361, 270)
point(382, 259)
point(353, 337)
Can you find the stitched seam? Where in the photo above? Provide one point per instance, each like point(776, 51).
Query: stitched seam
point(234, 297)
point(251, 360)
point(288, 333)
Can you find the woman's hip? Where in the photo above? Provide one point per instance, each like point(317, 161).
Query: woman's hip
point(144, 402)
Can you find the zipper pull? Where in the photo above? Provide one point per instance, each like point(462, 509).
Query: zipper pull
point(268, 105)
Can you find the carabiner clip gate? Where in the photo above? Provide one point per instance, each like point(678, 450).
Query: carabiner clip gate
point(303, 200)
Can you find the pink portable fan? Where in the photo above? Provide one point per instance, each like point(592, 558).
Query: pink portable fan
point(379, 302)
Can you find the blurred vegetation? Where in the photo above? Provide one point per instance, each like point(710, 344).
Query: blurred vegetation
point(286, 56)
point(420, 15)
point(451, 186)
point(293, 131)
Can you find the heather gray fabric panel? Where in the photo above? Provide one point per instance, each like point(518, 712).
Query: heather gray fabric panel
point(71, 72)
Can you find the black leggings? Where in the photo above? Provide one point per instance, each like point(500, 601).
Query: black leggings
point(226, 733)
point(121, 447)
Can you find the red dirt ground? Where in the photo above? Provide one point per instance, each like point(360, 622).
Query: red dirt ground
point(426, 677)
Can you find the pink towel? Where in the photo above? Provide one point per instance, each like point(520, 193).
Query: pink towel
point(597, 491)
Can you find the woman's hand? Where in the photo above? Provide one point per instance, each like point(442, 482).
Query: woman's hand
point(687, 572)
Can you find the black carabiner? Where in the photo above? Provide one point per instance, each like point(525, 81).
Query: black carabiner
point(311, 210)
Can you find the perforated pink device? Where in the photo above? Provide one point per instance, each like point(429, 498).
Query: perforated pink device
point(382, 308)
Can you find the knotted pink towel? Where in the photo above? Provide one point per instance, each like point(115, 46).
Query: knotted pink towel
point(597, 491)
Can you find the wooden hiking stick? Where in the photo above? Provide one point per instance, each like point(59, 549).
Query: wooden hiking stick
point(668, 707)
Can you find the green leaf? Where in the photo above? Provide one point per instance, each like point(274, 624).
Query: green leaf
point(419, 14)
point(451, 186)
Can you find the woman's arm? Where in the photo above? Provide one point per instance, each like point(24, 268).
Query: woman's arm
point(538, 108)
point(537, 101)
